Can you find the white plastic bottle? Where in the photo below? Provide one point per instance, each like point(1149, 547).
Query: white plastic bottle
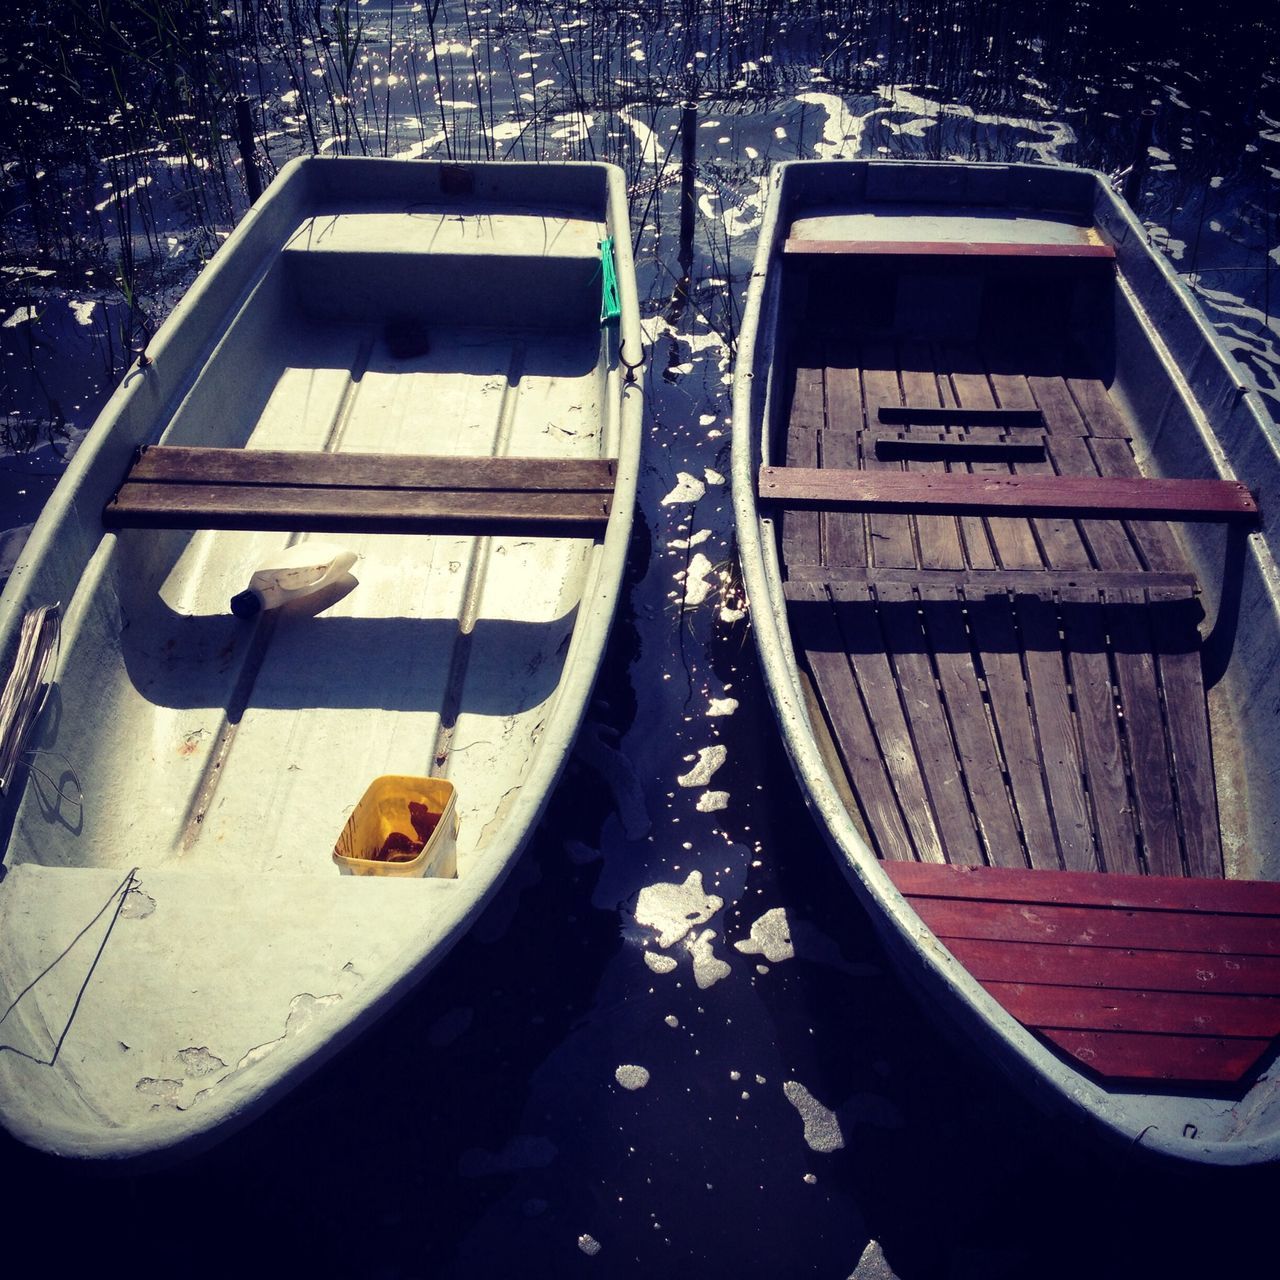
point(290, 573)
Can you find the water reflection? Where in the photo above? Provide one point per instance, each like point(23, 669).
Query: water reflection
point(671, 1039)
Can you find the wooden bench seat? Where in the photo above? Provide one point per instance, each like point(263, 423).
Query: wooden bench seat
point(948, 249)
point(1135, 977)
point(952, 493)
point(176, 487)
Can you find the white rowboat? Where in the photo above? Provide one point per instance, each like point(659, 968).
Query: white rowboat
point(409, 358)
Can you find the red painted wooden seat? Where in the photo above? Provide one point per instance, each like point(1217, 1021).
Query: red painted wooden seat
point(1138, 977)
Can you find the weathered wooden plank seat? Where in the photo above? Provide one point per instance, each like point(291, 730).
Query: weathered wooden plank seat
point(795, 248)
point(1141, 977)
point(176, 487)
point(951, 493)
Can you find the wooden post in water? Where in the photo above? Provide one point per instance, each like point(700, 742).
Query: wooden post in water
point(248, 155)
point(688, 167)
point(1138, 169)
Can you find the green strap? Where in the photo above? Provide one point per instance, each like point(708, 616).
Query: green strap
point(610, 308)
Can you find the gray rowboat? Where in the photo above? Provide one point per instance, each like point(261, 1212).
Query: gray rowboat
point(428, 363)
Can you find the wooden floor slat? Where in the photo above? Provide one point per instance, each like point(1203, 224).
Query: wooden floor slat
point(942, 776)
point(1182, 680)
point(890, 535)
point(815, 631)
point(1143, 718)
point(845, 536)
point(1013, 539)
point(1081, 615)
point(1059, 748)
point(800, 529)
point(938, 536)
point(856, 617)
point(941, 611)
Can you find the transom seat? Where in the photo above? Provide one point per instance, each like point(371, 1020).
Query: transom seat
point(1138, 977)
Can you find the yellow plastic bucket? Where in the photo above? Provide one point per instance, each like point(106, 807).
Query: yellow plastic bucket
point(383, 830)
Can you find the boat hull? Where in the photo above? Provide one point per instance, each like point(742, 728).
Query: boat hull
point(1168, 372)
point(179, 947)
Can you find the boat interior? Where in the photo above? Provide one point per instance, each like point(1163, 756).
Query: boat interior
point(424, 332)
point(1004, 684)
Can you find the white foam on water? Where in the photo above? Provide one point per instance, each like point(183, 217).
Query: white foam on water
point(683, 544)
point(652, 151)
point(659, 963)
point(770, 937)
point(83, 311)
point(708, 761)
point(688, 489)
point(1055, 133)
point(821, 1128)
point(632, 1077)
point(699, 580)
point(712, 801)
point(708, 968)
point(722, 706)
point(672, 910)
point(841, 131)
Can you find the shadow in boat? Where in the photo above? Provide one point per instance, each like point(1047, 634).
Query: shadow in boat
point(394, 664)
point(994, 623)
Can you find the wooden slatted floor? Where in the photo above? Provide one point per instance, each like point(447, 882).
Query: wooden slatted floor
point(1025, 695)
point(1031, 687)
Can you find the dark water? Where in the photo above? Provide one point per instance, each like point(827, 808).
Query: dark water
point(798, 1112)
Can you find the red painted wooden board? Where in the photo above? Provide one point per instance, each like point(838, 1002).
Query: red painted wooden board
point(1079, 888)
point(959, 493)
point(1135, 1056)
point(1168, 1012)
point(947, 249)
point(1102, 926)
point(1135, 977)
point(1188, 971)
